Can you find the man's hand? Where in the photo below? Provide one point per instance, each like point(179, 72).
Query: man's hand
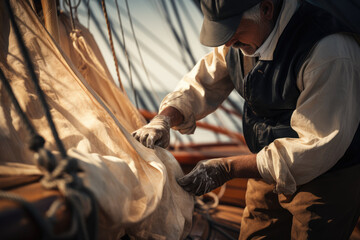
point(157, 132)
point(206, 176)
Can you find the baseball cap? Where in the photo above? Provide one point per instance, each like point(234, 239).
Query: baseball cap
point(221, 19)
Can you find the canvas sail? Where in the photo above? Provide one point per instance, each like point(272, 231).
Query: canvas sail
point(135, 187)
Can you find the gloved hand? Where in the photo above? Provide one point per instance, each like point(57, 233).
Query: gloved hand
point(156, 132)
point(206, 176)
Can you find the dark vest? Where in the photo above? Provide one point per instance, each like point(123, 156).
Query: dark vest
point(270, 89)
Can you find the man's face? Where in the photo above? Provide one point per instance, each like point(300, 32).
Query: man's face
point(250, 34)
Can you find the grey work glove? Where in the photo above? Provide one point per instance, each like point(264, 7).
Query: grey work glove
point(206, 176)
point(156, 132)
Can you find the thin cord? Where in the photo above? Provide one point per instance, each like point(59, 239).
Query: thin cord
point(71, 14)
point(112, 44)
point(127, 56)
point(139, 52)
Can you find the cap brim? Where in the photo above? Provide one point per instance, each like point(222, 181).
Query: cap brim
point(214, 34)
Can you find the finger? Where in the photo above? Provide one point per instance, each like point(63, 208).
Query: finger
point(189, 184)
point(184, 181)
point(200, 190)
point(136, 135)
point(191, 188)
point(162, 142)
point(150, 141)
point(143, 138)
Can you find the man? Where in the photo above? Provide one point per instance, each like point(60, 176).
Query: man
point(301, 116)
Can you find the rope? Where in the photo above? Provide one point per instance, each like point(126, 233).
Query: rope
point(112, 43)
point(204, 208)
point(139, 52)
point(64, 175)
point(35, 81)
point(89, 13)
point(185, 42)
point(36, 141)
point(68, 2)
point(127, 56)
point(176, 35)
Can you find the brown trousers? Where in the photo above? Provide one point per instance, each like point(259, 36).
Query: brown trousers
point(326, 208)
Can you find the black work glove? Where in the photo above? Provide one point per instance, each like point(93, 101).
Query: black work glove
point(206, 176)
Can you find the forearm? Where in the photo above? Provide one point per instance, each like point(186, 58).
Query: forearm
point(175, 117)
point(242, 166)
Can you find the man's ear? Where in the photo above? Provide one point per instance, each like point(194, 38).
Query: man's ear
point(267, 10)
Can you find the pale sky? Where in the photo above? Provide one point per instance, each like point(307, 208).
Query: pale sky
point(165, 61)
point(161, 53)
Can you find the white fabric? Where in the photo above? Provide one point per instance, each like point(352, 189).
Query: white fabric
point(326, 116)
point(135, 187)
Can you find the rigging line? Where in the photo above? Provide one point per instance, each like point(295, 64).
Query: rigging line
point(197, 4)
point(112, 44)
point(192, 22)
point(89, 13)
point(97, 25)
point(185, 40)
point(169, 50)
point(139, 52)
point(177, 38)
point(68, 2)
point(127, 56)
point(233, 120)
point(154, 55)
point(189, 17)
point(35, 81)
point(36, 140)
point(148, 93)
point(219, 123)
point(234, 105)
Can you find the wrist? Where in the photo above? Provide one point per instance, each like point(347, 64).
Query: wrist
point(242, 166)
point(163, 118)
point(174, 115)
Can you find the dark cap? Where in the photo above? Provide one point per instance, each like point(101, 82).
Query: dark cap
point(221, 19)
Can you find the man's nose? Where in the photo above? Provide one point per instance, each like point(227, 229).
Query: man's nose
point(230, 42)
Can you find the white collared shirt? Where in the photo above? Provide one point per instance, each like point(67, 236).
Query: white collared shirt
point(327, 113)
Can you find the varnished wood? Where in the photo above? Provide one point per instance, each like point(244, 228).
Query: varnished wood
point(16, 223)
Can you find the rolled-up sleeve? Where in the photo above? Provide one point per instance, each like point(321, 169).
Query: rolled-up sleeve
point(201, 91)
point(326, 117)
